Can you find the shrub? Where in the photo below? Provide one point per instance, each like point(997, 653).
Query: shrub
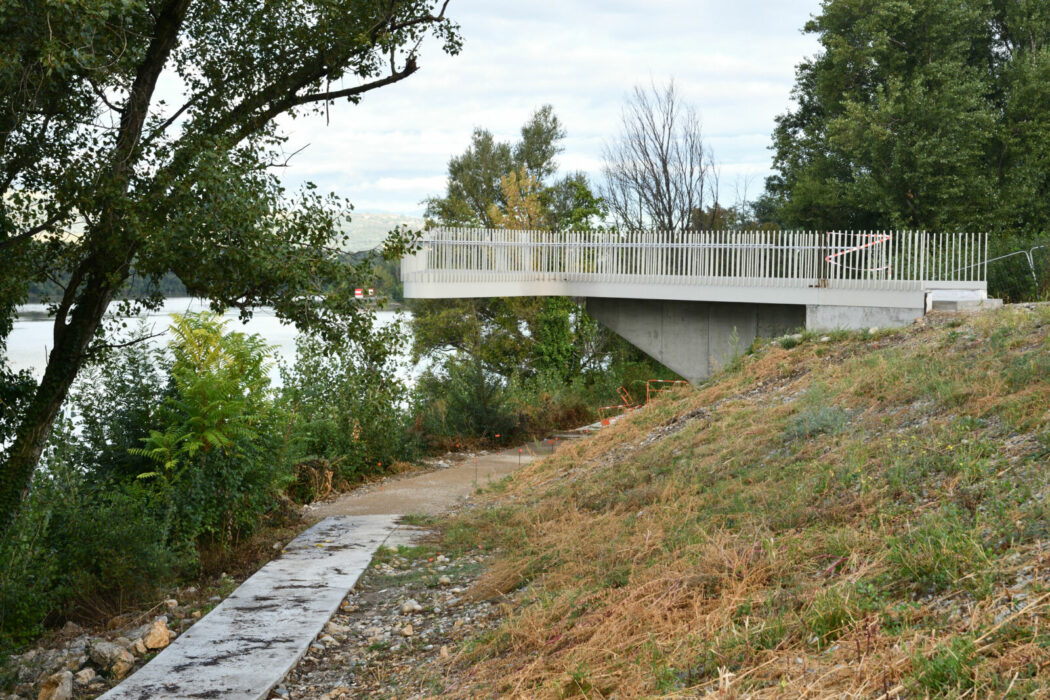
point(219, 450)
point(459, 398)
point(357, 418)
point(80, 545)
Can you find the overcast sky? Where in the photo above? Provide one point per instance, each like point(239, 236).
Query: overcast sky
point(734, 61)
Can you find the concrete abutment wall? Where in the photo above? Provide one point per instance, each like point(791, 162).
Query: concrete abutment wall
point(694, 338)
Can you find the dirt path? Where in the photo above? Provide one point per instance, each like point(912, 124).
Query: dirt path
point(434, 491)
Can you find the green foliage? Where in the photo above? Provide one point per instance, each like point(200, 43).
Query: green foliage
point(922, 114)
point(102, 178)
point(940, 552)
point(828, 616)
point(817, 420)
point(816, 416)
point(173, 451)
point(949, 670)
point(459, 398)
point(522, 364)
point(358, 416)
point(82, 543)
point(219, 451)
point(115, 405)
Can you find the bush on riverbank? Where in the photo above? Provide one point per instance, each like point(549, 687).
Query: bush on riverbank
point(181, 453)
point(459, 399)
point(173, 452)
point(349, 406)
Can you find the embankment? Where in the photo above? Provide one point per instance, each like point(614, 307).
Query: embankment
point(856, 515)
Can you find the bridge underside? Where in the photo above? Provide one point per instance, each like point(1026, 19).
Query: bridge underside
point(697, 338)
point(694, 338)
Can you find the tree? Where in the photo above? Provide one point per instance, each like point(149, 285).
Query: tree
point(99, 175)
point(657, 174)
point(475, 178)
point(480, 344)
point(925, 114)
point(501, 184)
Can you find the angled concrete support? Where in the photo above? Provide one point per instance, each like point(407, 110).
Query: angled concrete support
point(694, 338)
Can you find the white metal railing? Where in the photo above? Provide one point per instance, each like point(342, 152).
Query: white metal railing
point(862, 260)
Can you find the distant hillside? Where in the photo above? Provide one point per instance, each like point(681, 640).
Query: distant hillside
point(368, 230)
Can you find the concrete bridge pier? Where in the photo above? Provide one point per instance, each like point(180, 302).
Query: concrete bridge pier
point(694, 338)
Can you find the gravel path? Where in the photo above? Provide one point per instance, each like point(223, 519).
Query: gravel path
point(398, 631)
point(434, 491)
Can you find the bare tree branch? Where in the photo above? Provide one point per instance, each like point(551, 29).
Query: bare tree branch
point(657, 174)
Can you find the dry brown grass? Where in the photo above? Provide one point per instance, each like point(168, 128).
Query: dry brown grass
point(859, 518)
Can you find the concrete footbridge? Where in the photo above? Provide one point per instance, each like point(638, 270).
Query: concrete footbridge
point(693, 300)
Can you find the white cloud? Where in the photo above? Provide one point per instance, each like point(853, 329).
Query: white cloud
point(734, 61)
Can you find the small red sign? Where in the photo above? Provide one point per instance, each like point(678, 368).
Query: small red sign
point(359, 293)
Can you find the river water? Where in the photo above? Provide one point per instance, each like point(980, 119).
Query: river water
point(31, 338)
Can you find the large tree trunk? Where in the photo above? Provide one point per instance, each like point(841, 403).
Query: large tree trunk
point(65, 360)
point(103, 272)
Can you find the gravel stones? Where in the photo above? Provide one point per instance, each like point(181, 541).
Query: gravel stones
point(402, 623)
point(157, 637)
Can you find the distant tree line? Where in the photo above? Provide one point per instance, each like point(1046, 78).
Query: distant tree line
point(169, 285)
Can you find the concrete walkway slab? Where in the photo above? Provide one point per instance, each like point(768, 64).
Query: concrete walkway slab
point(249, 642)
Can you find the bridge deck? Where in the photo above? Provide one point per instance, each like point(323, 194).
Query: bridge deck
point(889, 269)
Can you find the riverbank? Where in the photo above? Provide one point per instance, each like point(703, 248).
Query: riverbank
point(430, 487)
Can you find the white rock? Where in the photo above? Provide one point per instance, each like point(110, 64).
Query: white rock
point(84, 676)
point(328, 640)
point(157, 637)
point(445, 581)
point(138, 648)
point(334, 628)
point(171, 603)
point(411, 606)
point(57, 687)
point(825, 338)
point(407, 631)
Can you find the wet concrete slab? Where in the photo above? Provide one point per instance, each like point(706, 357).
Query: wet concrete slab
point(248, 643)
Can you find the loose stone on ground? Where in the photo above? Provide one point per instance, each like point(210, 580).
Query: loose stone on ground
point(399, 626)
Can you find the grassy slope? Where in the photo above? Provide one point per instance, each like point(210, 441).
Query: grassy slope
point(860, 517)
